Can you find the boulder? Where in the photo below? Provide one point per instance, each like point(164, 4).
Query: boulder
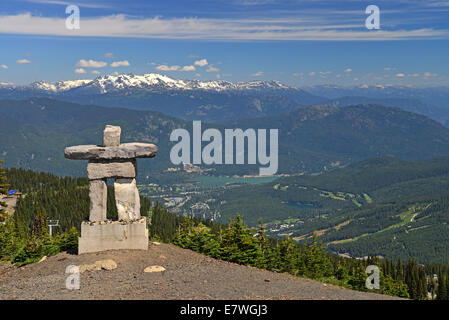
point(107, 264)
point(124, 151)
point(154, 269)
point(114, 169)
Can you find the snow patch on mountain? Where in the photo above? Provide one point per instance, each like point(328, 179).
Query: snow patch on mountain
point(59, 86)
point(152, 81)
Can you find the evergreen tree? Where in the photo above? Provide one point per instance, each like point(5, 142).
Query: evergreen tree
point(3, 189)
point(268, 259)
point(442, 293)
point(239, 245)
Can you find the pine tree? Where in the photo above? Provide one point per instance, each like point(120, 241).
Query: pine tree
point(412, 279)
point(288, 256)
point(422, 285)
point(442, 286)
point(399, 271)
point(3, 189)
point(239, 245)
point(267, 260)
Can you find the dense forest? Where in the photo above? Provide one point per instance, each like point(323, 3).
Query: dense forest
point(24, 238)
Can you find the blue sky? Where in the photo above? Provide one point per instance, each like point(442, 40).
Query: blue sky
point(299, 42)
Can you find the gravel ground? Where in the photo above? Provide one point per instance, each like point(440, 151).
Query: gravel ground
point(188, 275)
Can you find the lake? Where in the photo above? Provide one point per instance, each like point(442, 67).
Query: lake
point(210, 181)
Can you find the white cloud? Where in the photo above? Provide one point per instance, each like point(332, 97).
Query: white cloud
point(91, 64)
point(300, 28)
point(188, 68)
point(429, 74)
point(348, 70)
point(109, 55)
point(5, 83)
point(95, 72)
point(164, 67)
point(201, 63)
point(3, 66)
point(400, 75)
point(67, 3)
point(212, 69)
point(257, 74)
point(23, 61)
point(312, 73)
point(124, 63)
point(80, 71)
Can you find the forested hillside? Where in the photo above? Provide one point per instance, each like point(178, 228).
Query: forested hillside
point(382, 206)
point(313, 139)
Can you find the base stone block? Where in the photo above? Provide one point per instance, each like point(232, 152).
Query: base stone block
point(113, 235)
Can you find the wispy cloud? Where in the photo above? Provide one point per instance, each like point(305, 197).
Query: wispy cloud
point(23, 61)
point(91, 64)
point(89, 4)
point(257, 74)
point(3, 66)
point(80, 71)
point(124, 63)
point(212, 69)
point(208, 29)
point(201, 63)
point(164, 67)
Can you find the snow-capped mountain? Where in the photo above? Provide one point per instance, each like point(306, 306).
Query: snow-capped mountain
point(59, 86)
point(152, 81)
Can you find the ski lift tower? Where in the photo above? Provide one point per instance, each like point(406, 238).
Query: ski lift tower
point(51, 224)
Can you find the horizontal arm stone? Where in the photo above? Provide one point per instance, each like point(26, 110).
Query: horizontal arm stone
point(124, 151)
point(100, 169)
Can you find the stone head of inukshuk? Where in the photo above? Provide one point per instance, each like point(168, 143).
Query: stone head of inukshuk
point(113, 160)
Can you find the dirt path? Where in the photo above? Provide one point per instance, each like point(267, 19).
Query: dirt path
point(188, 275)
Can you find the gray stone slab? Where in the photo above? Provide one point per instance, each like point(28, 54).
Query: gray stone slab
point(111, 136)
point(98, 194)
point(124, 151)
point(111, 169)
point(113, 235)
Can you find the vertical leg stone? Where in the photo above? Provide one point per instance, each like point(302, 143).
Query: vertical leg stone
point(127, 199)
point(98, 194)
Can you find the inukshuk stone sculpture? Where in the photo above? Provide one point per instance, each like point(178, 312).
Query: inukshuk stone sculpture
point(117, 161)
